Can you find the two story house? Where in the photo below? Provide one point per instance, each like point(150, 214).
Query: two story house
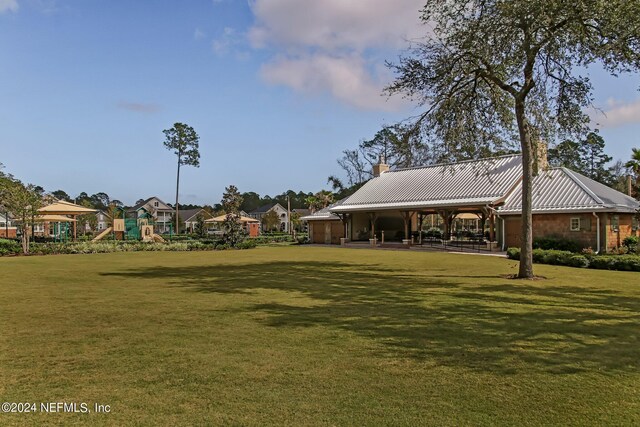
point(159, 210)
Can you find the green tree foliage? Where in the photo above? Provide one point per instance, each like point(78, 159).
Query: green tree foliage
point(61, 195)
point(634, 165)
point(200, 227)
point(184, 142)
point(587, 157)
point(231, 202)
point(489, 72)
point(320, 200)
point(23, 201)
point(270, 221)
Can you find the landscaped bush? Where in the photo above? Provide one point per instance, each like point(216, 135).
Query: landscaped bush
point(600, 262)
point(557, 243)
point(579, 261)
point(247, 244)
point(513, 253)
point(631, 243)
point(272, 238)
point(9, 247)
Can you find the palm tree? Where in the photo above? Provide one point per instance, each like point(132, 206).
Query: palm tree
point(634, 165)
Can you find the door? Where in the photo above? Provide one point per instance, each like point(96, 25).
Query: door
point(327, 232)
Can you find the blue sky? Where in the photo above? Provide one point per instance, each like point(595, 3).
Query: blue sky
point(276, 89)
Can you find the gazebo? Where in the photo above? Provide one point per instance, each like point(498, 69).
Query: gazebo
point(251, 224)
point(65, 210)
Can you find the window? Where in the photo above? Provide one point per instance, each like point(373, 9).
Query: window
point(2, 224)
point(575, 224)
point(634, 223)
point(615, 223)
point(155, 204)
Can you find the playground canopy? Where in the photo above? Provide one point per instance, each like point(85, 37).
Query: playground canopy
point(221, 218)
point(66, 208)
point(53, 218)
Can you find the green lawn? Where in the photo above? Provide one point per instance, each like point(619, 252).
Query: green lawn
point(318, 336)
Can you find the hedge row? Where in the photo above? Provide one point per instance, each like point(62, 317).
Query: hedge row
point(9, 247)
point(600, 262)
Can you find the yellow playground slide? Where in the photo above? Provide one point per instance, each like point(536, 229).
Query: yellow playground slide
point(158, 238)
point(101, 235)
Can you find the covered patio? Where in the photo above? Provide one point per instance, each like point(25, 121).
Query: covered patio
point(62, 211)
point(439, 205)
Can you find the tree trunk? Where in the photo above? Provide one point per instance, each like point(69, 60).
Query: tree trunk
point(177, 231)
point(25, 237)
point(526, 242)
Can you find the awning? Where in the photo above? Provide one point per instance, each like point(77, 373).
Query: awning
point(53, 218)
point(65, 208)
point(221, 218)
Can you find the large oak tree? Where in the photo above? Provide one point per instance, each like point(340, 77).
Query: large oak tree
point(489, 72)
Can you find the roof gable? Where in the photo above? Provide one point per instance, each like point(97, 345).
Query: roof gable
point(561, 189)
point(267, 208)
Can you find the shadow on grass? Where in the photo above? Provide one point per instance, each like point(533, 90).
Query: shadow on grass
point(487, 324)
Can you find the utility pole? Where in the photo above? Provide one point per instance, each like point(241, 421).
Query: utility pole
point(288, 214)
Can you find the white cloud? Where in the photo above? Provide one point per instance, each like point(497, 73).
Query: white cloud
point(617, 113)
point(221, 45)
point(346, 78)
point(334, 46)
point(9, 6)
point(331, 24)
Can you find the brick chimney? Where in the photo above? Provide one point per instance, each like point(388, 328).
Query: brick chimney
point(541, 160)
point(381, 167)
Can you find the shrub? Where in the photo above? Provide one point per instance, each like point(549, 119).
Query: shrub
point(579, 261)
point(601, 262)
point(557, 243)
point(554, 257)
point(9, 247)
point(247, 244)
point(631, 243)
point(513, 253)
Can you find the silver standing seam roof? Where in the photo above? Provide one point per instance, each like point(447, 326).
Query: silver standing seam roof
point(476, 183)
point(493, 181)
point(560, 190)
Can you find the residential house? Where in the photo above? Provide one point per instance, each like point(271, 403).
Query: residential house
point(159, 210)
point(278, 209)
point(7, 230)
point(190, 218)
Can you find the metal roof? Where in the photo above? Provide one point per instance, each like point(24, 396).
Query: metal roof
point(324, 214)
point(563, 190)
point(477, 182)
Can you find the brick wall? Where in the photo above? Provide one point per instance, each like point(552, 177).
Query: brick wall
point(557, 225)
point(615, 235)
point(11, 234)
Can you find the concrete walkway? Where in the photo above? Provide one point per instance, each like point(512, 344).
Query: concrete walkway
point(415, 248)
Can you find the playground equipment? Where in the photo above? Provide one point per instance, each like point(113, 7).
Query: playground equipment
point(140, 228)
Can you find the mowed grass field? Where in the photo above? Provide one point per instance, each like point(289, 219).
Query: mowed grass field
point(317, 336)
